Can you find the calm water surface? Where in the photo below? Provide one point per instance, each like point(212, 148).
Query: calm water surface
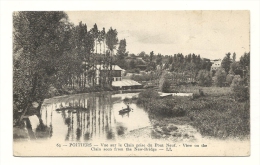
point(100, 118)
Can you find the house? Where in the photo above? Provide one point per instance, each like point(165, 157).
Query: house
point(215, 64)
point(116, 72)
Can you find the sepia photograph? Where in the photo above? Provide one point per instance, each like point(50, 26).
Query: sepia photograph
point(131, 83)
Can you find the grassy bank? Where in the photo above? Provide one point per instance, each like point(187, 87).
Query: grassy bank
point(215, 113)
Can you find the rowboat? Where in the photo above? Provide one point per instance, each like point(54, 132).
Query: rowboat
point(71, 109)
point(125, 110)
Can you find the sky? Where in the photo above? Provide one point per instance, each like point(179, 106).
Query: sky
point(211, 34)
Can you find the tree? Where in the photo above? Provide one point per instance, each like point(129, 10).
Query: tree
point(245, 60)
point(84, 46)
point(204, 78)
point(40, 40)
point(240, 91)
point(142, 54)
point(121, 51)
point(159, 59)
point(132, 64)
point(101, 36)
point(170, 60)
point(151, 56)
point(95, 34)
point(111, 42)
point(245, 63)
point(111, 39)
point(225, 64)
point(164, 83)
point(220, 77)
point(234, 57)
point(229, 79)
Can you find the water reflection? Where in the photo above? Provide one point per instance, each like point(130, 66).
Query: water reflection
point(89, 117)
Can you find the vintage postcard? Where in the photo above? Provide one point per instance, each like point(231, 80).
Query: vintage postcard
point(131, 83)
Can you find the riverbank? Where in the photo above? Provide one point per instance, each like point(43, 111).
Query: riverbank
point(212, 113)
point(165, 130)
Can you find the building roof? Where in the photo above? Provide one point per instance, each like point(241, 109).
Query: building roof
point(114, 67)
point(125, 82)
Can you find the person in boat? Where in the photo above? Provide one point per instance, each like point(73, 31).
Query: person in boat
point(128, 107)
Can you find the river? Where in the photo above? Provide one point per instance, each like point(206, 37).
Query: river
point(99, 120)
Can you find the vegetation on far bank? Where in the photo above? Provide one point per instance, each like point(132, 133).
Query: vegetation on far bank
point(214, 113)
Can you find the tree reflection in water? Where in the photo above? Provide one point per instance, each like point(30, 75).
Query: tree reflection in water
point(88, 117)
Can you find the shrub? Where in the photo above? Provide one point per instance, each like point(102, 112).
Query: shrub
point(165, 107)
point(229, 79)
point(147, 96)
point(220, 77)
point(204, 78)
point(166, 86)
point(240, 92)
point(220, 117)
point(237, 81)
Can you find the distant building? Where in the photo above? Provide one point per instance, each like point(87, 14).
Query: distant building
point(215, 64)
point(116, 72)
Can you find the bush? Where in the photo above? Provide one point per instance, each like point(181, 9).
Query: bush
point(159, 107)
point(220, 77)
point(237, 81)
point(240, 92)
point(229, 79)
point(145, 97)
point(135, 70)
point(164, 83)
point(220, 117)
point(204, 78)
point(166, 86)
point(165, 107)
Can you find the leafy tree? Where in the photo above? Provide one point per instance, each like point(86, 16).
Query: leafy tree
point(151, 56)
point(100, 39)
point(235, 68)
point(142, 54)
point(204, 78)
point(245, 60)
point(166, 86)
point(84, 46)
point(95, 34)
point(226, 62)
point(220, 77)
point(151, 66)
point(121, 52)
point(245, 63)
point(159, 59)
point(241, 92)
point(111, 39)
point(40, 40)
point(132, 64)
point(170, 60)
point(229, 79)
point(111, 42)
point(234, 57)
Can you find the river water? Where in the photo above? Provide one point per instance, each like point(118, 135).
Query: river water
point(100, 118)
point(100, 122)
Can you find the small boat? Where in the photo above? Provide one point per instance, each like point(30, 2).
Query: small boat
point(125, 110)
point(71, 108)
